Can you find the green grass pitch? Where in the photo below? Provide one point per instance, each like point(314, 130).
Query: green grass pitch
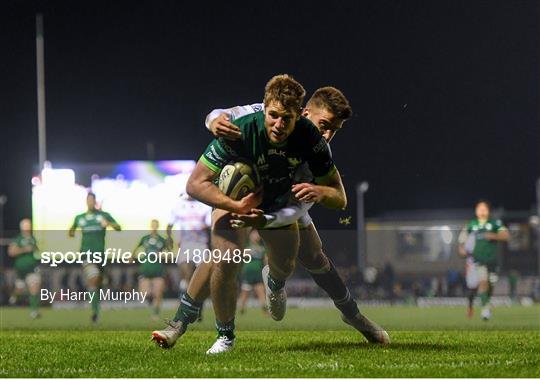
point(431, 342)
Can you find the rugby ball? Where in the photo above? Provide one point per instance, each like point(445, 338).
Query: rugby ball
point(238, 179)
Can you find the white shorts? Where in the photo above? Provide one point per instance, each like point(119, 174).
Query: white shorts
point(29, 280)
point(471, 274)
point(305, 220)
point(91, 271)
point(476, 273)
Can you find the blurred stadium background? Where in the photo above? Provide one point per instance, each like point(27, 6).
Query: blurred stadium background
point(407, 257)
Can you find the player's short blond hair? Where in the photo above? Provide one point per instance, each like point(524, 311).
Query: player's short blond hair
point(333, 100)
point(286, 91)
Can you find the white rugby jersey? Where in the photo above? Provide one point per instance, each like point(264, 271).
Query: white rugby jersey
point(192, 219)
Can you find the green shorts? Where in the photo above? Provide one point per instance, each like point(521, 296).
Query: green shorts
point(251, 277)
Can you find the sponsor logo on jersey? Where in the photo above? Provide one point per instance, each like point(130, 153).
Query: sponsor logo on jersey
point(214, 155)
point(276, 152)
point(226, 147)
point(293, 161)
point(257, 107)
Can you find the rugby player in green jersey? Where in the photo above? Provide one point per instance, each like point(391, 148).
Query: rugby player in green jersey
point(24, 248)
point(478, 242)
point(151, 274)
point(328, 109)
point(277, 141)
point(93, 224)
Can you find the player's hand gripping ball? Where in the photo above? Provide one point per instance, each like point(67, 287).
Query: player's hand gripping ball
point(238, 179)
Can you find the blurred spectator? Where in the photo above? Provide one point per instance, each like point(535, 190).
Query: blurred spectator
point(513, 277)
point(452, 278)
point(388, 280)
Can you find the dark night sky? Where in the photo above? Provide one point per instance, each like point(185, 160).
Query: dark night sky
point(445, 93)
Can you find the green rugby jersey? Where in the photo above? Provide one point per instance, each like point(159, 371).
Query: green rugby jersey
point(25, 262)
point(93, 233)
point(485, 251)
point(155, 244)
point(276, 163)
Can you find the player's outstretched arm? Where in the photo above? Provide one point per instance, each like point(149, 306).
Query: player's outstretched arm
point(133, 258)
point(503, 235)
point(201, 187)
point(115, 226)
point(328, 191)
point(71, 232)
point(462, 238)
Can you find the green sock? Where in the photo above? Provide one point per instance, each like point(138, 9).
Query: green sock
point(33, 301)
point(225, 329)
point(484, 298)
point(95, 300)
point(188, 311)
point(156, 310)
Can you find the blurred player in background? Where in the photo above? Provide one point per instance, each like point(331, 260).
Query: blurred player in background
point(250, 276)
point(471, 281)
point(478, 243)
point(93, 224)
point(151, 274)
point(193, 220)
point(24, 250)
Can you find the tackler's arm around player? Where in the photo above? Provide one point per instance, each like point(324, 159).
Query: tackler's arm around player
point(328, 191)
point(222, 127)
point(220, 121)
point(201, 187)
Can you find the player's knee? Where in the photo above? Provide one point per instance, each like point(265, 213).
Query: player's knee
point(313, 260)
point(227, 270)
point(284, 268)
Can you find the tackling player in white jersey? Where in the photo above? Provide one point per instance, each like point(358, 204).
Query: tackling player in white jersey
point(192, 219)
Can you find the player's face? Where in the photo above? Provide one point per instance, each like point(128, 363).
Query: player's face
point(327, 123)
point(25, 225)
point(154, 225)
point(91, 202)
point(482, 211)
point(279, 122)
